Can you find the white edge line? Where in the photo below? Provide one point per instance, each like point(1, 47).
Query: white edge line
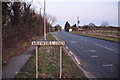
point(85, 72)
point(67, 47)
point(70, 52)
point(77, 60)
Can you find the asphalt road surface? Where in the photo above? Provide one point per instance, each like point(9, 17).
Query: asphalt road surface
point(98, 57)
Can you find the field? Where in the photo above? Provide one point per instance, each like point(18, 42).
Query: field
point(109, 35)
point(105, 33)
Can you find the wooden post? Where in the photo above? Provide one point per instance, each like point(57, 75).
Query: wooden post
point(46, 43)
point(36, 61)
point(60, 61)
point(44, 21)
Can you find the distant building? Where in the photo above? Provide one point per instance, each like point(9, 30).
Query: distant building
point(70, 29)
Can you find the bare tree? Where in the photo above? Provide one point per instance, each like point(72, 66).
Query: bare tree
point(104, 24)
point(50, 19)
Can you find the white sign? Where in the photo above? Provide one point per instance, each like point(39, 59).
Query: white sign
point(48, 43)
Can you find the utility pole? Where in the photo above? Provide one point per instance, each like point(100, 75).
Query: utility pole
point(44, 22)
point(39, 26)
point(78, 21)
point(32, 1)
point(40, 11)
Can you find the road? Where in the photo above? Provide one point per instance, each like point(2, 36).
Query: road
point(98, 57)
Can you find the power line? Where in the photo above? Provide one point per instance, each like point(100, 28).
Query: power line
point(40, 3)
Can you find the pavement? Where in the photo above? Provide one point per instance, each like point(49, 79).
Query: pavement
point(98, 58)
point(16, 63)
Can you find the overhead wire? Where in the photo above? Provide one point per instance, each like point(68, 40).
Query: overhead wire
point(40, 4)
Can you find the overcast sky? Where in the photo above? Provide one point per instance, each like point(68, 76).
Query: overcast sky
point(88, 11)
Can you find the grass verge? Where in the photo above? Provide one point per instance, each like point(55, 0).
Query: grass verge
point(49, 64)
point(98, 37)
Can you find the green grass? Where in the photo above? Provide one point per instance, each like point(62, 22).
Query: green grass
point(50, 37)
point(97, 36)
point(49, 64)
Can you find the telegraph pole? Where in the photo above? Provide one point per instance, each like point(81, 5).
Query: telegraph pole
point(40, 11)
point(44, 22)
point(78, 21)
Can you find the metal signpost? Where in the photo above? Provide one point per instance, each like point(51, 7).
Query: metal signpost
point(48, 43)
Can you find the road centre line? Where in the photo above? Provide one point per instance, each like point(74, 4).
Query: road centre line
point(92, 50)
point(106, 47)
point(100, 45)
point(108, 65)
point(94, 56)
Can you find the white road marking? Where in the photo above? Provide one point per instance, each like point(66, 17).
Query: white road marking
point(70, 52)
point(77, 60)
point(73, 41)
point(94, 56)
point(67, 47)
point(107, 48)
point(92, 51)
point(55, 36)
point(16, 72)
point(108, 65)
